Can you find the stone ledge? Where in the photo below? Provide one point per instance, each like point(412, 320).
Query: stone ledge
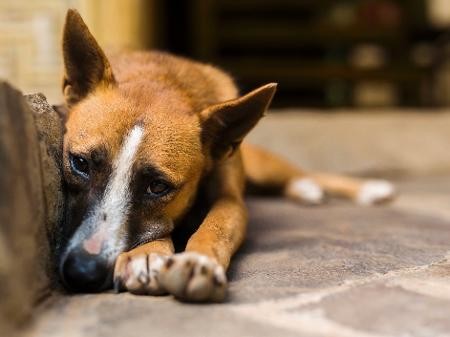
point(31, 202)
point(395, 142)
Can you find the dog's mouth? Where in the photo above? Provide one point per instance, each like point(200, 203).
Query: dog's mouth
point(141, 241)
point(157, 230)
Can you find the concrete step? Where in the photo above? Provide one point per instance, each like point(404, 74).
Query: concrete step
point(372, 142)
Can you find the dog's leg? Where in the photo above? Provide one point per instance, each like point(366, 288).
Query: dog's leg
point(137, 270)
point(268, 172)
point(362, 191)
point(198, 274)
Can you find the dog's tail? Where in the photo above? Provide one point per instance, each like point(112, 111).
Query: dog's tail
point(268, 173)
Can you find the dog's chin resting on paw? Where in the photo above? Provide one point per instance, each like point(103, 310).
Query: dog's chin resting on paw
point(154, 144)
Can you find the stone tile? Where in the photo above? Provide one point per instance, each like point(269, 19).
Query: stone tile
point(128, 315)
point(386, 310)
point(334, 270)
point(292, 248)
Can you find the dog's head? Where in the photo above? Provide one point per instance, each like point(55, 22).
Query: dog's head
point(134, 155)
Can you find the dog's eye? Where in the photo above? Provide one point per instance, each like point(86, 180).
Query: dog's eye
point(79, 165)
point(158, 188)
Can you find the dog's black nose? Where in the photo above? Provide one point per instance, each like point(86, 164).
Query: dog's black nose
point(84, 272)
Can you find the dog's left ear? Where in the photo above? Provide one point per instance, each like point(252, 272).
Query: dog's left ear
point(85, 63)
point(225, 125)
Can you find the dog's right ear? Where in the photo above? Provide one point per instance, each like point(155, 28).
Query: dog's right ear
point(85, 64)
point(224, 125)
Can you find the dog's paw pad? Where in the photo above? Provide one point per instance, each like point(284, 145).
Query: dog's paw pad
point(139, 274)
point(194, 277)
point(305, 190)
point(375, 192)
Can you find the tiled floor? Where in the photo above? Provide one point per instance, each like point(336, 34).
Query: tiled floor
point(333, 270)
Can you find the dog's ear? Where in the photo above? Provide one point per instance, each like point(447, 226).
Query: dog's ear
point(225, 125)
point(86, 66)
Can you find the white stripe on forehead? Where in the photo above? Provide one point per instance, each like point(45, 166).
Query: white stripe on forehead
point(104, 224)
point(116, 199)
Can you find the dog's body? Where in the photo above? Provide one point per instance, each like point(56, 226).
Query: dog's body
point(153, 143)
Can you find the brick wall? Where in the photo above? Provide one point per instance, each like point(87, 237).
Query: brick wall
point(30, 36)
point(30, 33)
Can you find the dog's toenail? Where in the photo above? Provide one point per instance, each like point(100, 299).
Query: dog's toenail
point(117, 285)
point(217, 281)
point(169, 263)
point(191, 274)
point(143, 278)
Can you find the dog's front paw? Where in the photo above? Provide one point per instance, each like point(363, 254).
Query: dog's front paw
point(139, 274)
point(194, 277)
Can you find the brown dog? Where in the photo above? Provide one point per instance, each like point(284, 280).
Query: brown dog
point(153, 144)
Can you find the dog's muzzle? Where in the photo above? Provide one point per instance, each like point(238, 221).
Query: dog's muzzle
point(83, 272)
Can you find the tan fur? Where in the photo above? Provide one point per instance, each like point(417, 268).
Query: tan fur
point(194, 123)
point(264, 169)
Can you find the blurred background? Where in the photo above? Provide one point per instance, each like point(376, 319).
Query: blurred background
point(323, 53)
